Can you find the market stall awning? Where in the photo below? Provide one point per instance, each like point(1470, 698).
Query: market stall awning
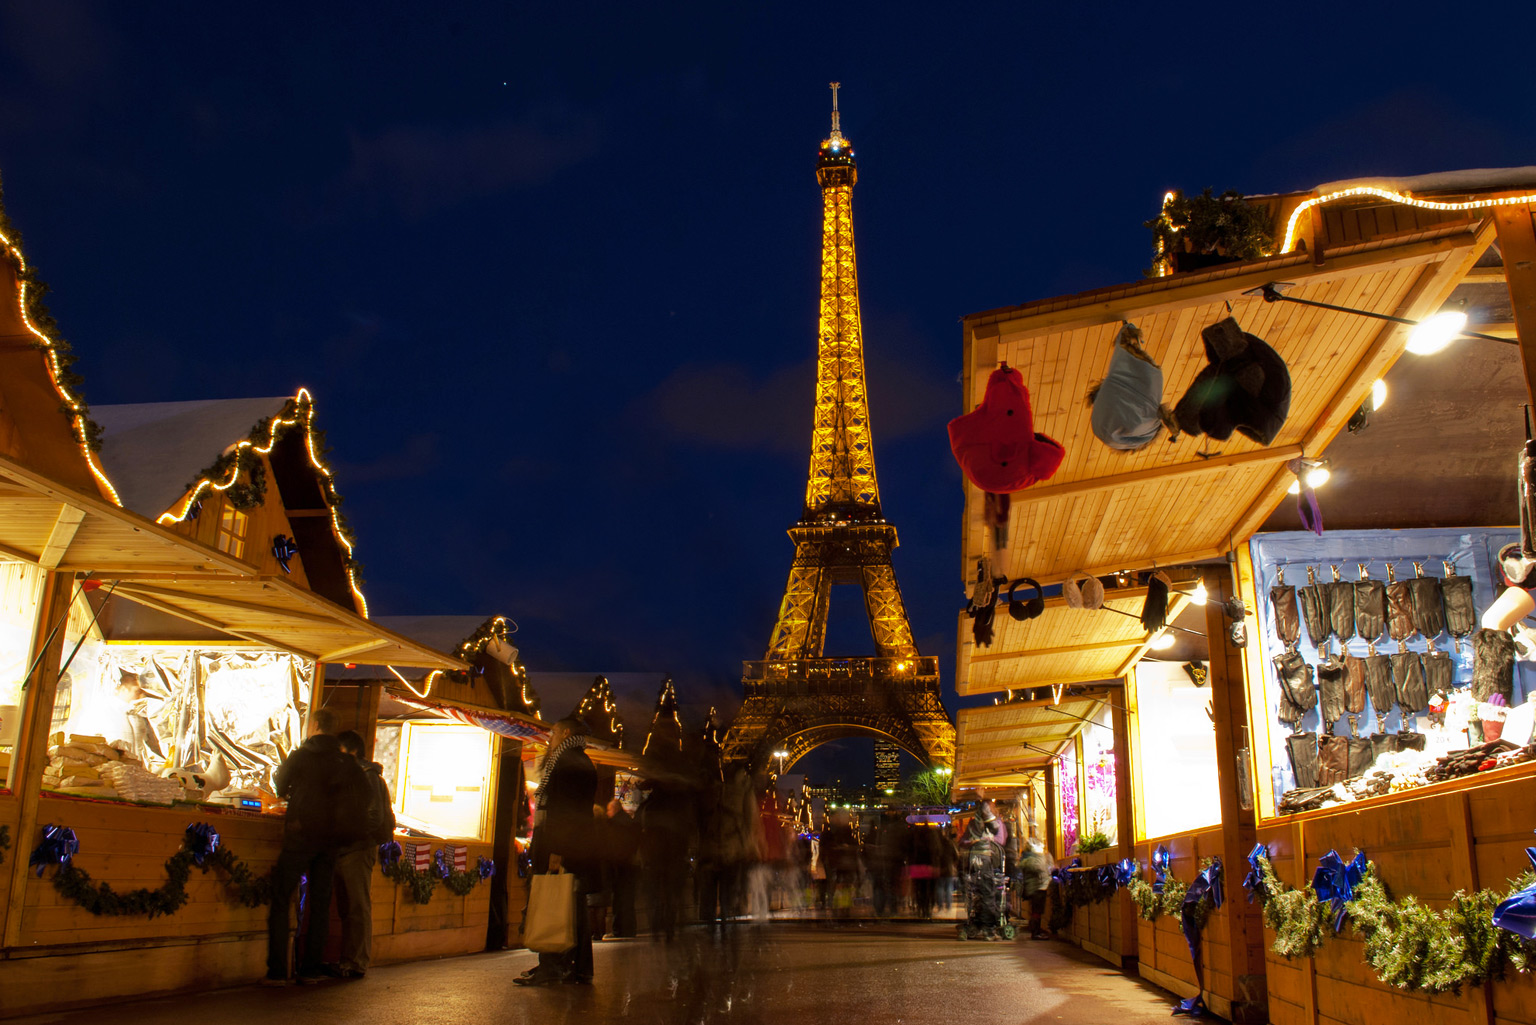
point(1062, 645)
point(1175, 503)
point(273, 612)
point(495, 720)
point(1005, 745)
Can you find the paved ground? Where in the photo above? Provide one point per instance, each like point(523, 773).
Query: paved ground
point(777, 974)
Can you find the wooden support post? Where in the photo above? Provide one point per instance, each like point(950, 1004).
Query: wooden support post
point(1125, 821)
point(1053, 809)
point(1517, 244)
point(30, 756)
point(1250, 994)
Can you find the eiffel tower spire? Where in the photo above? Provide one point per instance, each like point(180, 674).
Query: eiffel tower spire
point(797, 698)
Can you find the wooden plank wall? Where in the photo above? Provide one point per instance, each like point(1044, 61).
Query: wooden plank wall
point(1462, 836)
point(67, 957)
point(1163, 954)
point(1100, 928)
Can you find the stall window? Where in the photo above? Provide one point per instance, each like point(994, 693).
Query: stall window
point(443, 783)
point(1176, 751)
point(1099, 807)
point(232, 527)
point(21, 586)
point(1070, 804)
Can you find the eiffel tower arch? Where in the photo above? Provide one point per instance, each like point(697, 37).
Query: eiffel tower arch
point(797, 698)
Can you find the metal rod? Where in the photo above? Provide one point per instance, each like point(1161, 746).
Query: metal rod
point(1272, 294)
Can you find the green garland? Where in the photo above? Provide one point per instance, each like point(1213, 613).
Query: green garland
point(1150, 904)
point(75, 884)
point(423, 884)
point(1408, 944)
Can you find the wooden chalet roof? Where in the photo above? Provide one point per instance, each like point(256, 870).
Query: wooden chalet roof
point(1004, 745)
point(1181, 502)
point(1062, 645)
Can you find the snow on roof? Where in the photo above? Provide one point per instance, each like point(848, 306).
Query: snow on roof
point(151, 451)
point(1481, 179)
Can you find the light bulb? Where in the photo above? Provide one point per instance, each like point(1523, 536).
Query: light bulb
point(1163, 641)
point(1434, 333)
point(1317, 476)
point(1378, 394)
point(1199, 594)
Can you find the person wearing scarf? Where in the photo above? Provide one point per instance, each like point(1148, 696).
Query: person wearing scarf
point(564, 837)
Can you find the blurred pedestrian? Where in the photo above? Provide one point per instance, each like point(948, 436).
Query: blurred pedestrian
point(354, 868)
point(923, 857)
point(1034, 882)
point(624, 835)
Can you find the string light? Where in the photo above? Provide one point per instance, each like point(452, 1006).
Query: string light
point(1395, 197)
point(304, 407)
point(431, 678)
point(55, 373)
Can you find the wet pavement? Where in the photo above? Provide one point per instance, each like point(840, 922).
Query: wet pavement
point(784, 973)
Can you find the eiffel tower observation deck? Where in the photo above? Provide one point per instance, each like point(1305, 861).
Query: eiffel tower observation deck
point(797, 697)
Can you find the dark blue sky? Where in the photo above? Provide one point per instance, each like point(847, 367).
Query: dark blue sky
point(551, 270)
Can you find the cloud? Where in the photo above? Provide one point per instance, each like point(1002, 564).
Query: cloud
point(423, 169)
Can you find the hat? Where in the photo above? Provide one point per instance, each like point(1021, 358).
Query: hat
point(996, 444)
point(1126, 404)
point(1245, 388)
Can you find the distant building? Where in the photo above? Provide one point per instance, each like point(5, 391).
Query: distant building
point(887, 768)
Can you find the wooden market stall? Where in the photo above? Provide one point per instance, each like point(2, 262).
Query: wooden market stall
point(1194, 501)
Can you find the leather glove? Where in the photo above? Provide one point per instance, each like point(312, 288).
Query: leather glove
point(1287, 619)
point(1399, 611)
point(1302, 747)
point(1428, 615)
point(1408, 679)
point(1460, 614)
point(1288, 713)
point(1314, 611)
point(1382, 744)
point(1493, 664)
point(1378, 681)
point(1341, 608)
point(1370, 608)
point(1354, 684)
point(1295, 679)
point(1409, 741)
point(1332, 760)
point(1360, 759)
point(1330, 684)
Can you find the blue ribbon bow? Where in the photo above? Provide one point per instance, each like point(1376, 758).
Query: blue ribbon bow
point(1335, 882)
point(486, 866)
point(389, 855)
point(58, 846)
point(1253, 882)
point(283, 549)
point(1518, 913)
point(1126, 870)
point(443, 867)
point(1161, 859)
point(1107, 878)
point(202, 841)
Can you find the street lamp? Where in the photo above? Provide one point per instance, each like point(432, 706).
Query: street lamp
point(781, 755)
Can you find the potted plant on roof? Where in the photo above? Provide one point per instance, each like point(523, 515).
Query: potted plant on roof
point(1194, 232)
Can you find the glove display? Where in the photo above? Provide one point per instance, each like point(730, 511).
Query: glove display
point(1408, 679)
point(1460, 613)
point(1361, 756)
point(1378, 681)
point(1399, 610)
point(1302, 749)
point(1330, 685)
point(1341, 608)
point(1295, 677)
point(1314, 612)
point(1370, 608)
point(1282, 599)
point(1428, 613)
point(1439, 673)
point(1332, 760)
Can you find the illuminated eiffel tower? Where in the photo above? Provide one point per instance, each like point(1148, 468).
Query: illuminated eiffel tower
point(797, 698)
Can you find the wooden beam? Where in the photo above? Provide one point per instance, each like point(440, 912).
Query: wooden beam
point(1066, 649)
point(60, 537)
point(341, 654)
point(18, 554)
point(1517, 243)
point(1484, 276)
point(1151, 474)
point(196, 597)
point(1499, 329)
point(213, 624)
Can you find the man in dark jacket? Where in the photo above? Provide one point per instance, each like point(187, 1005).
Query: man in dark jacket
point(328, 798)
point(564, 837)
point(354, 868)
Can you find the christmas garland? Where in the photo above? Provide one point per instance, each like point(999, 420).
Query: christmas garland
point(200, 848)
point(1151, 905)
point(423, 884)
point(1408, 944)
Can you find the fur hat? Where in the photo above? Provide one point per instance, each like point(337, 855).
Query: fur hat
point(996, 444)
point(1245, 388)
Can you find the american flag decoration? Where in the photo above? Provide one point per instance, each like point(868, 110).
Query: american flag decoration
point(460, 857)
point(418, 856)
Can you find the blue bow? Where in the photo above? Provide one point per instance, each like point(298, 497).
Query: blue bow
point(486, 867)
point(1518, 913)
point(1126, 870)
point(1194, 1007)
point(1335, 882)
point(202, 841)
point(1161, 858)
point(1107, 878)
point(389, 855)
point(1063, 875)
point(57, 848)
point(443, 868)
point(1253, 882)
point(283, 549)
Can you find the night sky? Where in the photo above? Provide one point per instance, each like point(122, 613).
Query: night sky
point(551, 270)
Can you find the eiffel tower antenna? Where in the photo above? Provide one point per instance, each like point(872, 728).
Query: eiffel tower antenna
point(797, 698)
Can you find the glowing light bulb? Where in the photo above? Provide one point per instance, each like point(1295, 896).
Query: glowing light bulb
point(1317, 476)
point(1434, 333)
point(1199, 594)
point(1378, 394)
point(1163, 641)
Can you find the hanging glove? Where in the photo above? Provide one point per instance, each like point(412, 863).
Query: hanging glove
point(1314, 610)
point(1378, 680)
point(1408, 678)
point(1302, 748)
point(1332, 760)
point(1399, 611)
point(1295, 677)
point(1154, 613)
point(1408, 740)
point(1382, 744)
point(1330, 684)
point(1354, 684)
point(1460, 613)
point(1370, 608)
point(1287, 620)
point(1428, 615)
point(1493, 665)
point(1439, 672)
point(1341, 608)
point(1289, 713)
point(1360, 756)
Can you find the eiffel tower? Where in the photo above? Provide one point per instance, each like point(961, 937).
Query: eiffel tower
point(797, 698)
